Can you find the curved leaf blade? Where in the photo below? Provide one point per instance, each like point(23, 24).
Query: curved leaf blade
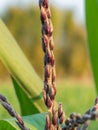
point(92, 34)
point(4, 125)
point(24, 100)
point(33, 122)
point(19, 67)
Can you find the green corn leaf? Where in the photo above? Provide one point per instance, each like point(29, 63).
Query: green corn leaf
point(34, 122)
point(26, 104)
point(19, 67)
point(92, 35)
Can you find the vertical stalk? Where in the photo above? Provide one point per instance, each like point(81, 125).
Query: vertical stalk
point(54, 117)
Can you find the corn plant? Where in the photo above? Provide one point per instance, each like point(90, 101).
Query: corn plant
point(39, 109)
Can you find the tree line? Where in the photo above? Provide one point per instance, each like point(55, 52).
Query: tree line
point(70, 40)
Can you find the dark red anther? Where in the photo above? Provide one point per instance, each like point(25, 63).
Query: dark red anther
point(45, 78)
point(60, 111)
point(54, 119)
point(3, 99)
point(53, 74)
point(43, 15)
point(43, 47)
point(54, 116)
point(44, 96)
point(19, 119)
point(48, 102)
point(61, 119)
point(49, 29)
point(46, 87)
point(48, 56)
point(51, 44)
point(52, 58)
point(9, 109)
point(45, 59)
point(47, 71)
point(48, 13)
point(53, 109)
point(52, 93)
point(48, 123)
point(54, 87)
point(96, 100)
point(45, 41)
point(45, 3)
point(60, 114)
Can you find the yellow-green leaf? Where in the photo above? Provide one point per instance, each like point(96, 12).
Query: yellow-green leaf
point(19, 67)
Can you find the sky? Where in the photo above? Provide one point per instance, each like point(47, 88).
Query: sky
point(76, 5)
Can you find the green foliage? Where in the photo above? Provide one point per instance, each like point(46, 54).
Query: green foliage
point(35, 122)
point(19, 67)
point(92, 35)
point(75, 97)
point(24, 100)
point(73, 55)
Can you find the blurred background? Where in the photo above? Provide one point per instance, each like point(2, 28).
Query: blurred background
point(71, 49)
point(22, 19)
